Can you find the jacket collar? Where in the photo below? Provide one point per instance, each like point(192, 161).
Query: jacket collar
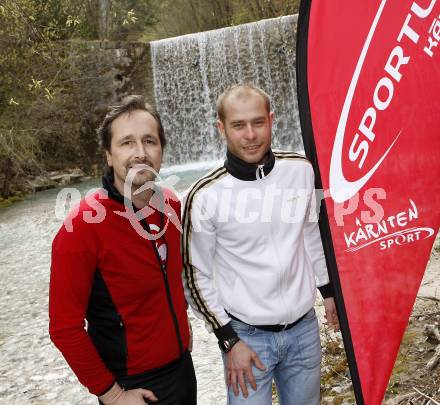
point(248, 171)
point(108, 180)
point(108, 183)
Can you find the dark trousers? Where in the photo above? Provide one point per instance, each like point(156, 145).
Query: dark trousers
point(173, 384)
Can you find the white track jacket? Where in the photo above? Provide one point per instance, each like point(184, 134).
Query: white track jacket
point(249, 247)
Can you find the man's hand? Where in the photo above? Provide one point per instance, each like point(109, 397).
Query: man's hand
point(117, 396)
point(330, 313)
point(239, 368)
point(135, 397)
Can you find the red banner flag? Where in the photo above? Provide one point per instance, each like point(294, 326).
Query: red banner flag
point(369, 96)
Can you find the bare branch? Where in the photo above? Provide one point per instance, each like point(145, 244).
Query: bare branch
point(427, 397)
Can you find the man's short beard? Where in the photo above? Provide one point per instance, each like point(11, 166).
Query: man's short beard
point(140, 179)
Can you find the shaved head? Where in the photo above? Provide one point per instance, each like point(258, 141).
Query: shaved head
point(239, 92)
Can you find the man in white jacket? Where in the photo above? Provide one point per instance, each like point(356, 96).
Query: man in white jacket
point(253, 259)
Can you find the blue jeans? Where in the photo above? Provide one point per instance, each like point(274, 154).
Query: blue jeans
point(292, 358)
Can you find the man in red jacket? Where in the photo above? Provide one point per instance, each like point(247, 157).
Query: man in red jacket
point(116, 263)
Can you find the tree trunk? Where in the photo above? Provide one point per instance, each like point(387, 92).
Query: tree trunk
point(7, 172)
point(104, 18)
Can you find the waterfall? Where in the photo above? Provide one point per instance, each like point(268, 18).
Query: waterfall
point(190, 72)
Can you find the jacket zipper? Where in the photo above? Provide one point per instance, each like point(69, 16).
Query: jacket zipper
point(281, 276)
point(164, 272)
point(124, 343)
point(173, 312)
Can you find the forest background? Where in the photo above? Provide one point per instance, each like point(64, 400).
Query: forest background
point(46, 101)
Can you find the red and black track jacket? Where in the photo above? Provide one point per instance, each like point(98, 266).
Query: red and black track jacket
point(106, 272)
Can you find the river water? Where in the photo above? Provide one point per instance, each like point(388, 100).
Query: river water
point(32, 370)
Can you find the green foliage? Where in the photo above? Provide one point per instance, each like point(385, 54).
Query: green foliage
point(130, 18)
point(31, 80)
point(180, 17)
point(254, 10)
point(45, 98)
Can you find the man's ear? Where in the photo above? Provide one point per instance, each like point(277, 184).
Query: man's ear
point(271, 117)
point(221, 128)
point(108, 156)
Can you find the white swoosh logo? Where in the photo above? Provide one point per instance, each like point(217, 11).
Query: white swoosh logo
point(342, 189)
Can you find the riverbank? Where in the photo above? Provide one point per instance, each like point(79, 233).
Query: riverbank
point(33, 184)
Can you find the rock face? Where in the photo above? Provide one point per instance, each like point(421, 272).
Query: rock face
point(191, 71)
point(121, 68)
point(109, 71)
point(55, 179)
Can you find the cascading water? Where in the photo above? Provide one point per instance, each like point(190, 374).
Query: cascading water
point(192, 70)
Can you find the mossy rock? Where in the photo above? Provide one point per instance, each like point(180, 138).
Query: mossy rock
point(7, 202)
